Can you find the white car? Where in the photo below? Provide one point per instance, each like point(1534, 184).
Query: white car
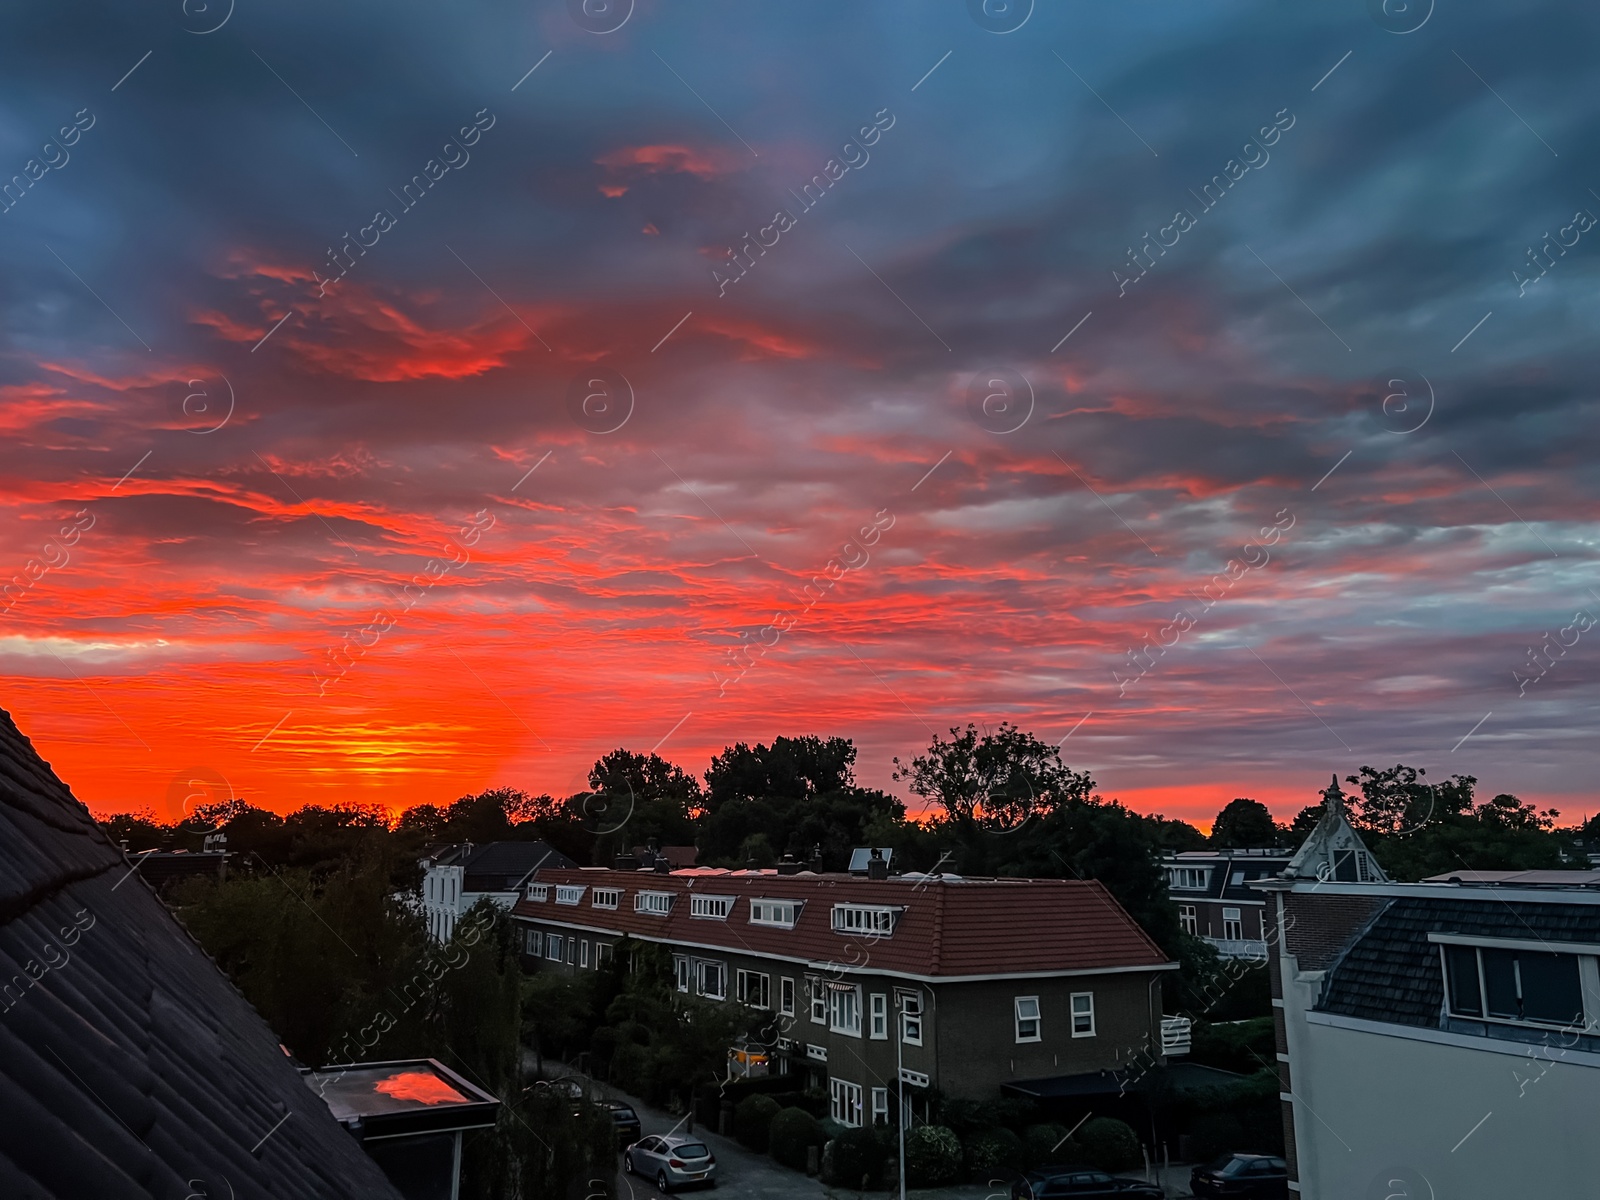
point(671, 1161)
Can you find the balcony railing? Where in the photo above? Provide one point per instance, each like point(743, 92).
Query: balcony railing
point(1255, 948)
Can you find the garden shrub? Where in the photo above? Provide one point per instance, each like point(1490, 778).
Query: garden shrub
point(1048, 1144)
point(991, 1150)
point(857, 1155)
point(1110, 1144)
point(933, 1156)
point(792, 1132)
point(752, 1121)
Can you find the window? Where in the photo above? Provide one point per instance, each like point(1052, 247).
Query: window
point(1192, 878)
point(1237, 879)
point(539, 893)
point(570, 893)
point(1521, 986)
point(552, 946)
point(880, 1106)
point(910, 1017)
point(535, 943)
point(786, 997)
point(816, 1053)
point(715, 907)
point(606, 897)
point(781, 913)
point(863, 918)
point(878, 1028)
point(1187, 918)
point(657, 903)
point(755, 989)
point(711, 979)
point(680, 970)
point(1232, 926)
point(845, 1101)
point(583, 953)
point(844, 1008)
point(819, 1000)
point(1028, 1023)
point(1082, 1014)
point(602, 954)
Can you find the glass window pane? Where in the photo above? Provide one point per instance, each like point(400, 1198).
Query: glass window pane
point(1550, 988)
point(1500, 982)
point(1462, 964)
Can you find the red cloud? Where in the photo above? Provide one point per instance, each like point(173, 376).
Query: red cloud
point(705, 164)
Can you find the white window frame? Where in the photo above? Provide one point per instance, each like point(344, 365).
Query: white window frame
point(780, 914)
point(570, 893)
point(878, 1016)
point(1025, 1011)
point(909, 1004)
point(682, 975)
point(602, 954)
point(1189, 879)
point(703, 970)
point(1189, 919)
point(763, 988)
point(874, 920)
point(1232, 925)
point(539, 893)
point(844, 1001)
point(844, 1102)
point(1078, 1032)
point(583, 953)
point(880, 1105)
point(710, 908)
point(1588, 977)
point(606, 897)
point(555, 946)
point(535, 943)
point(819, 1000)
point(655, 904)
point(786, 993)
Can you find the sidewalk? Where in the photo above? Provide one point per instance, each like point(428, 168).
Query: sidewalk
point(757, 1177)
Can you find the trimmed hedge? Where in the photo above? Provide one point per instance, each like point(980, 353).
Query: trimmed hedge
point(1110, 1144)
point(856, 1160)
point(1048, 1143)
point(752, 1121)
point(793, 1131)
point(933, 1156)
point(991, 1150)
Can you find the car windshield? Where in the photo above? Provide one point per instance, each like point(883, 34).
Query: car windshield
point(691, 1150)
point(624, 1113)
point(1226, 1165)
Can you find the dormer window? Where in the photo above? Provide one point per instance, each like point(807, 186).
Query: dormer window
point(1189, 878)
point(864, 918)
point(781, 913)
point(655, 903)
point(570, 893)
point(715, 908)
point(606, 897)
point(539, 893)
point(1511, 983)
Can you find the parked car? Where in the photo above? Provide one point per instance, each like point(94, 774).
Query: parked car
point(1248, 1176)
point(671, 1161)
point(627, 1120)
point(1080, 1183)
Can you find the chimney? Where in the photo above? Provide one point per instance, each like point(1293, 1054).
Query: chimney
point(788, 866)
point(877, 867)
point(625, 861)
point(663, 867)
point(816, 859)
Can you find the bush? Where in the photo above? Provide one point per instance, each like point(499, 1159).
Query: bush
point(933, 1156)
point(857, 1160)
point(752, 1121)
point(1110, 1144)
point(792, 1132)
point(1240, 1046)
point(1215, 1134)
point(1048, 1144)
point(991, 1150)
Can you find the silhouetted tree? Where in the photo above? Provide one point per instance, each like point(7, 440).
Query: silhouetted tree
point(1244, 824)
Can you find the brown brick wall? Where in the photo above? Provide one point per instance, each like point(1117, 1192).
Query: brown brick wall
point(1321, 925)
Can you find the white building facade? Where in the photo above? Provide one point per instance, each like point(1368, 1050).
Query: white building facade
point(456, 877)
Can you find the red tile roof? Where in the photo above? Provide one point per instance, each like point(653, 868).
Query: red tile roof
point(947, 928)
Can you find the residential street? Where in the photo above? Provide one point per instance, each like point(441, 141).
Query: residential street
point(756, 1177)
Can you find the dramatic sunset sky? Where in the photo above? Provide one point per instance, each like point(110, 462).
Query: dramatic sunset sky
point(228, 548)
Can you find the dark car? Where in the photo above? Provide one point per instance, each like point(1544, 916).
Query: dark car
point(627, 1120)
point(1250, 1176)
point(1080, 1183)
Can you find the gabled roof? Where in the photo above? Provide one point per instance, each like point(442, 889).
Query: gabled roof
point(943, 927)
point(129, 1065)
point(1335, 850)
point(503, 860)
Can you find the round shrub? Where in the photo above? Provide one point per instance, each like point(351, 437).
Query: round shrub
point(1048, 1143)
point(1110, 1144)
point(792, 1132)
point(991, 1150)
point(752, 1120)
point(1215, 1134)
point(856, 1161)
point(933, 1156)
